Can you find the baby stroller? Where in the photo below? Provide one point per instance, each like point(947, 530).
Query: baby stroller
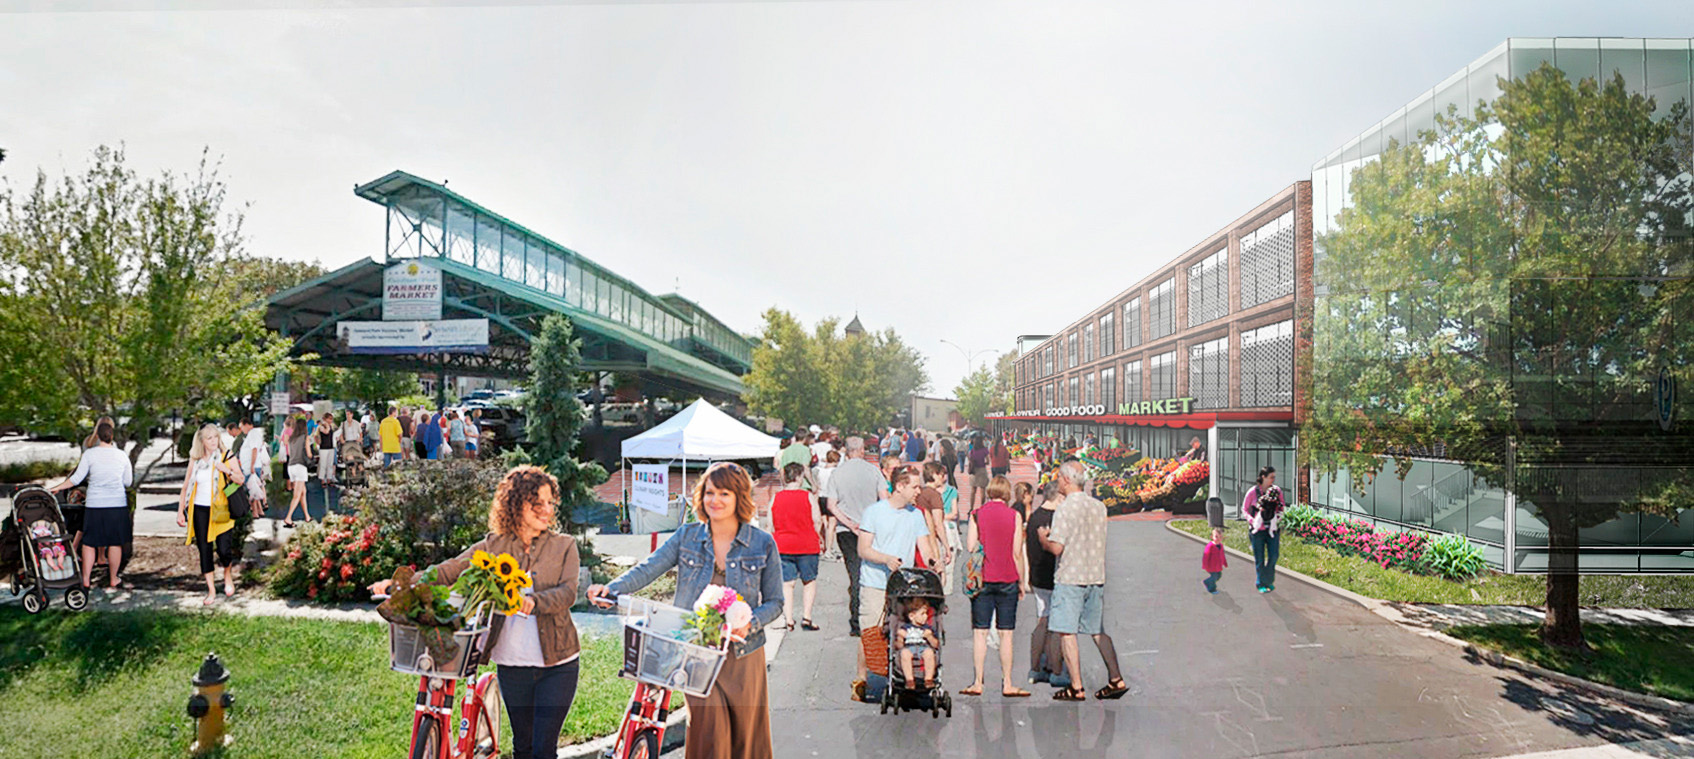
point(906, 588)
point(49, 561)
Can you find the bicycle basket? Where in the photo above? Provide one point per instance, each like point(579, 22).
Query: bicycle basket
point(416, 651)
point(660, 651)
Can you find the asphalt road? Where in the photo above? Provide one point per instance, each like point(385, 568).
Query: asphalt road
point(1298, 672)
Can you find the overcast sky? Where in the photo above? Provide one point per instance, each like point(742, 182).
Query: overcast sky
point(964, 171)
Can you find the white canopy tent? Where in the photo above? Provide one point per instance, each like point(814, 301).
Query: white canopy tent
point(700, 433)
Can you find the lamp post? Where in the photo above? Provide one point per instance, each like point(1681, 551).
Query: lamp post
point(970, 356)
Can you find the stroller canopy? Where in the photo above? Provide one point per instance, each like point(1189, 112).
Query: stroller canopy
point(910, 582)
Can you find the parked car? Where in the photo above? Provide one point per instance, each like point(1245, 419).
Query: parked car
point(501, 427)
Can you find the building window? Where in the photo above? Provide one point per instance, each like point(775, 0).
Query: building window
point(1267, 262)
point(1047, 359)
point(1208, 373)
point(1070, 349)
point(1048, 394)
point(1132, 323)
point(1075, 394)
point(1208, 288)
point(1087, 343)
point(1107, 344)
point(1132, 382)
point(1267, 365)
point(1088, 388)
point(1108, 386)
point(1163, 370)
point(1162, 302)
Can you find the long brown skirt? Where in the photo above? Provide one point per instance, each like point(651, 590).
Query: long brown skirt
point(734, 720)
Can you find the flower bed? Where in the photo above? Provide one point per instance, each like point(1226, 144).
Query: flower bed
point(1396, 550)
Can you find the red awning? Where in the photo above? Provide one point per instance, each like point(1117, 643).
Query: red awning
point(1196, 421)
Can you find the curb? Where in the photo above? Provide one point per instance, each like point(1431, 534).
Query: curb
point(1490, 656)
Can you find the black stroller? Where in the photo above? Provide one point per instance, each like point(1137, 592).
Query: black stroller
point(906, 587)
point(49, 561)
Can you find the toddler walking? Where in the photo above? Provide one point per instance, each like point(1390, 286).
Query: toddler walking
point(1213, 560)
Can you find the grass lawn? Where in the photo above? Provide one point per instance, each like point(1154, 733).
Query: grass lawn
point(1370, 579)
point(116, 684)
point(1655, 660)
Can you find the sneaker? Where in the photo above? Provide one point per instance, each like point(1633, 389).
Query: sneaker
point(1263, 589)
point(858, 690)
point(1037, 676)
point(1210, 588)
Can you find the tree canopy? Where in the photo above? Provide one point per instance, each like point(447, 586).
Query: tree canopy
point(554, 416)
point(826, 376)
point(118, 297)
point(1506, 291)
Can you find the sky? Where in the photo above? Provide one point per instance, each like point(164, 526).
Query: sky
point(959, 171)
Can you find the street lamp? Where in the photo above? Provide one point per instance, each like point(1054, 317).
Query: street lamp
point(970, 357)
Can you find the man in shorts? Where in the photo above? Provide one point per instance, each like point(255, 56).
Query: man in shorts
point(891, 534)
point(255, 461)
point(1078, 539)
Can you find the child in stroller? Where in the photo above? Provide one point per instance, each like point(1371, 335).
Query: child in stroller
point(912, 618)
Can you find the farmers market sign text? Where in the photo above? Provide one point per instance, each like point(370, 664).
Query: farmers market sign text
point(1138, 408)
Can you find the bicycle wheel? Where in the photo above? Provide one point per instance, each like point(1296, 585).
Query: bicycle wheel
point(646, 745)
point(486, 740)
point(427, 744)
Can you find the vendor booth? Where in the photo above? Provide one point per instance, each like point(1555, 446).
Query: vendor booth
point(700, 433)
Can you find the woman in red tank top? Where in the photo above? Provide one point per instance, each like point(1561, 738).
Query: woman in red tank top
point(795, 522)
point(998, 529)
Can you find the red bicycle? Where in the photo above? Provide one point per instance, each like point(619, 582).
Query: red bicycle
point(478, 733)
point(661, 658)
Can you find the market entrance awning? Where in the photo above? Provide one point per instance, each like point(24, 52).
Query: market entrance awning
point(496, 269)
point(1192, 421)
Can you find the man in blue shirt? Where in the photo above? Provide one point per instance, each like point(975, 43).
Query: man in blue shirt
point(430, 436)
point(889, 535)
point(914, 447)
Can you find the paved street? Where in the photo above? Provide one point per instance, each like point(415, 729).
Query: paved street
point(1297, 673)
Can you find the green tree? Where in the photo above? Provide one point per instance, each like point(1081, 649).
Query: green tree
point(372, 388)
point(825, 376)
point(117, 299)
point(1005, 378)
point(1505, 291)
point(554, 416)
point(979, 395)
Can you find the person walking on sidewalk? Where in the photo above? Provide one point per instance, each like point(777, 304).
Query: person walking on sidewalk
point(999, 460)
point(723, 548)
point(978, 462)
point(1263, 508)
point(821, 474)
point(324, 439)
point(1046, 659)
point(856, 485)
point(105, 526)
point(297, 447)
point(1078, 539)
point(1005, 579)
point(795, 521)
point(210, 523)
point(892, 535)
point(255, 457)
point(391, 437)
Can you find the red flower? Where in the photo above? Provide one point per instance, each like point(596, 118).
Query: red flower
point(312, 591)
point(346, 571)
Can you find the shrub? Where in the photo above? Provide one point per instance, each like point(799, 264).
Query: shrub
point(335, 560)
point(1299, 518)
point(1453, 557)
point(31, 471)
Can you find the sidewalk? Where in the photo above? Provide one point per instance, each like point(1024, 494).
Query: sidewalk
point(1437, 617)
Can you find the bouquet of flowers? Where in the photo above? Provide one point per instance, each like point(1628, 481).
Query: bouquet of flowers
point(716, 612)
point(492, 581)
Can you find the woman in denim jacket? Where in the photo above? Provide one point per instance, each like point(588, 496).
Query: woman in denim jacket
point(723, 548)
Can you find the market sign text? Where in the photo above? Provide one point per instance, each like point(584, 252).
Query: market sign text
point(1138, 408)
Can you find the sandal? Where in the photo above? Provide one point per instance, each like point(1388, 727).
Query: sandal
point(1113, 690)
point(1014, 693)
point(806, 624)
point(970, 691)
point(1070, 694)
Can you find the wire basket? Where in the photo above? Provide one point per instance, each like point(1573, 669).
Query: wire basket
point(408, 653)
point(660, 650)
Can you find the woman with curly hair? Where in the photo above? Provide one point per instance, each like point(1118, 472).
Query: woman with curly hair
point(535, 648)
point(722, 548)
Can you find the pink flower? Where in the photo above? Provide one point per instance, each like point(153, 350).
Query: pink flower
point(738, 615)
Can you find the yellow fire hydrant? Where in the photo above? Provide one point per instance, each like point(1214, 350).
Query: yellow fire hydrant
point(208, 704)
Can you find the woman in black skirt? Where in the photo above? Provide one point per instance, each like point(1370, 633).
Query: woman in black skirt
point(105, 522)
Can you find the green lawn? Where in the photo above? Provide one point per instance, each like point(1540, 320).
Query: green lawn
point(116, 684)
point(1370, 579)
point(1655, 660)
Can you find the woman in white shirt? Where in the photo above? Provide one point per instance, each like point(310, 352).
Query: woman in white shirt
point(106, 520)
point(210, 527)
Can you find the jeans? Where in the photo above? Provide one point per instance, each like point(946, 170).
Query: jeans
point(1211, 581)
point(1265, 549)
point(537, 701)
point(849, 544)
point(390, 459)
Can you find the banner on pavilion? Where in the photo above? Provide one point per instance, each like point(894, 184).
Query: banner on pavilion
point(404, 338)
point(411, 291)
point(651, 488)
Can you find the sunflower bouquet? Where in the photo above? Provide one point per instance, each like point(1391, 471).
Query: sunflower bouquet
point(491, 581)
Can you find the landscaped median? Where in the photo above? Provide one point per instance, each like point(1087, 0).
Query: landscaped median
point(115, 684)
point(1650, 659)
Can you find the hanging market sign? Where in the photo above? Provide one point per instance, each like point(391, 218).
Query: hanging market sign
point(448, 336)
point(411, 291)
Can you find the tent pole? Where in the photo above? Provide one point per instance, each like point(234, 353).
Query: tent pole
point(623, 484)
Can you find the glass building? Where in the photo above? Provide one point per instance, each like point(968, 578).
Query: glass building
point(1497, 358)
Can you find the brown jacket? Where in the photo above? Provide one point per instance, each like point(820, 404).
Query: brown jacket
point(552, 562)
